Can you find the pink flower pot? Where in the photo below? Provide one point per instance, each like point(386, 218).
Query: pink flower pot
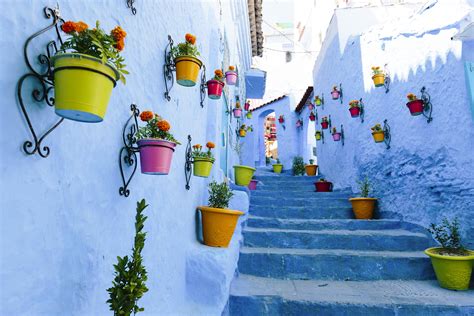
point(325, 125)
point(237, 113)
point(415, 107)
point(336, 137)
point(310, 106)
point(247, 106)
point(214, 89)
point(355, 112)
point(323, 186)
point(253, 185)
point(155, 155)
point(231, 77)
point(298, 124)
point(335, 95)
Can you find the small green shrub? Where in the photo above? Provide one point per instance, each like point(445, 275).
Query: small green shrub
point(364, 187)
point(219, 195)
point(298, 166)
point(311, 161)
point(448, 236)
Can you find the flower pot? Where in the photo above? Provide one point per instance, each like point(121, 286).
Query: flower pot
point(452, 272)
point(355, 112)
point(218, 225)
point(214, 89)
point(187, 70)
point(324, 125)
point(253, 184)
point(242, 133)
point(323, 186)
point(249, 115)
point(281, 121)
point(82, 87)
point(202, 166)
point(379, 80)
point(298, 124)
point(246, 106)
point(155, 155)
point(231, 77)
point(237, 113)
point(310, 107)
point(378, 136)
point(312, 117)
point(362, 207)
point(277, 168)
point(311, 169)
point(317, 136)
point(335, 95)
point(317, 102)
point(336, 137)
point(243, 175)
point(416, 107)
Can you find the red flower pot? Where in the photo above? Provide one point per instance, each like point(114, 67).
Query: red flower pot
point(247, 106)
point(335, 95)
point(281, 120)
point(312, 117)
point(323, 186)
point(253, 184)
point(214, 89)
point(415, 107)
point(325, 125)
point(355, 112)
point(336, 137)
point(237, 113)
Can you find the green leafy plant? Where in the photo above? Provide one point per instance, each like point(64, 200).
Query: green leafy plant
point(311, 161)
point(96, 43)
point(198, 153)
point(156, 127)
point(377, 128)
point(278, 161)
point(188, 48)
point(448, 236)
point(364, 187)
point(219, 195)
point(298, 166)
point(128, 285)
point(267, 160)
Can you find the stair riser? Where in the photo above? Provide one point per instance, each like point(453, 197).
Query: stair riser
point(303, 213)
point(315, 201)
point(275, 306)
point(331, 267)
point(320, 241)
point(352, 225)
point(286, 178)
point(310, 193)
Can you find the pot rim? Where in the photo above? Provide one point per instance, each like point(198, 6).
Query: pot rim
point(60, 55)
point(244, 167)
point(362, 199)
point(430, 252)
point(211, 160)
point(156, 140)
point(232, 72)
point(277, 164)
point(379, 132)
point(216, 81)
point(378, 75)
point(184, 57)
point(219, 210)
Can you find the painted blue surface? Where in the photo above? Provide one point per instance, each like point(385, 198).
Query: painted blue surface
point(62, 220)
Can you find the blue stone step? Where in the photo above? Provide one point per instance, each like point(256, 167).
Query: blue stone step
point(282, 201)
point(287, 178)
point(329, 264)
point(390, 240)
point(307, 192)
point(302, 212)
point(264, 296)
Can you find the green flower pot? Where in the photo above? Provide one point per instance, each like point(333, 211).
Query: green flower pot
point(243, 175)
point(202, 166)
point(277, 168)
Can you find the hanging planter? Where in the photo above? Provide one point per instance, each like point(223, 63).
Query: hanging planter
point(415, 105)
point(237, 110)
point(83, 83)
point(311, 107)
point(363, 206)
point(354, 108)
point(312, 117)
point(335, 93)
point(231, 76)
point(247, 105)
point(299, 123)
point(378, 77)
point(248, 115)
point(156, 144)
point(253, 185)
point(318, 101)
point(203, 161)
point(244, 129)
point(218, 222)
point(186, 61)
point(311, 168)
point(277, 167)
point(281, 119)
point(318, 135)
point(215, 85)
point(378, 133)
point(324, 122)
point(243, 175)
point(336, 136)
point(323, 186)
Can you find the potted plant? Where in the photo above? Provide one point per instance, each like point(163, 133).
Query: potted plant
point(298, 166)
point(452, 262)
point(215, 85)
point(250, 128)
point(130, 274)
point(378, 133)
point(335, 93)
point(277, 167)
point(243, 130)
point(155, 143)
point(267, 161)
point(299, 123)
point(317, 135)
point(243, 174)
point(415, 105)
point(378, 76)
point(253, 184)
point(317, 100)
point(281, 119)
point(311, 106)
point(312, 117)
point(324, 122)
point(323, 186)
point(248, 115)
point(218, 222)
point(86, 69)
point(231, 76)
point(186, 61)
point(237, 110)
point(363, 206)
point(203, 160)
point(354, 108)
point(336, 136)
point(311, 168)
point(247, 105)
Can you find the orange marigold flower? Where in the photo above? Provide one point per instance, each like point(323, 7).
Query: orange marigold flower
point(118, 33)
point(218, 73)
point(120, 45)
point(145, 116)
point(81, 26)
point(163, 125)
point(210, 145)
point(68, 27)
point(231, 68)
point(197, 146)
point(191, 39)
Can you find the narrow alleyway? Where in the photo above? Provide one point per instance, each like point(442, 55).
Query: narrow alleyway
point(303, 254)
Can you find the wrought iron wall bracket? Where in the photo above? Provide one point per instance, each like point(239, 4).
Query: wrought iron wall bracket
point(342, 134)
point(322, 100)
point(188, 165)
point(427, 105)
point(168, 68)
point(386, 83)
point(329, 121)
point(362, 110)
point(130, 4)
point(322, 135)
point(127, 155)
point(203, 85)
point(387, 134)
point(341, 94)
point(44, 79)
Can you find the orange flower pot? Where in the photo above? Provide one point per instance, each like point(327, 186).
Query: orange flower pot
point(187, 70)
point(218, 225)
point(363, 207)
point(311, 169)
point(378, 136)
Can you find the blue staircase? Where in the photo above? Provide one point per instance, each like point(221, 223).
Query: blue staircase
point(304, 254)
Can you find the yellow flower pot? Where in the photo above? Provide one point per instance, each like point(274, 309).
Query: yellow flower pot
point(378, 136)
point(242, 133)
point(311, 169)
point(452, 272)
point(218, 225)
point(317, 136)
point(379, 79)
point(82, 86)
point(243, 175)
point(363, 207)
point(202, 166)
point(277, 168)
point(187, 70)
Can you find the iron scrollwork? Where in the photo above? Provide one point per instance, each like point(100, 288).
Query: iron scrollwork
point(387, 134)
point(342, 134)
point(387, 80)
point(203, 85)
point(168, 68)
point(128, 152)
point(188, 166)
point(130, 4)
point(45, 80)
point(362, 110)
point(427, 106)
point(341, 94)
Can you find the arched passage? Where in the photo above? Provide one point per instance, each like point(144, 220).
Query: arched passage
point(267, 136)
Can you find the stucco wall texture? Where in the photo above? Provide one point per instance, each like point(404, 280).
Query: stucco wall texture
point(429, 171)
point(62, 220)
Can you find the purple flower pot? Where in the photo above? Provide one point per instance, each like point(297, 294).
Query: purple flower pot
point(155, 155)
point(336, 137)
point(253, 185)
point(237, 113)
point(230, 77)
point(335, 95)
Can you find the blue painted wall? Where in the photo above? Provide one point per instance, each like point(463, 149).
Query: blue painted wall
point(62, 220)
